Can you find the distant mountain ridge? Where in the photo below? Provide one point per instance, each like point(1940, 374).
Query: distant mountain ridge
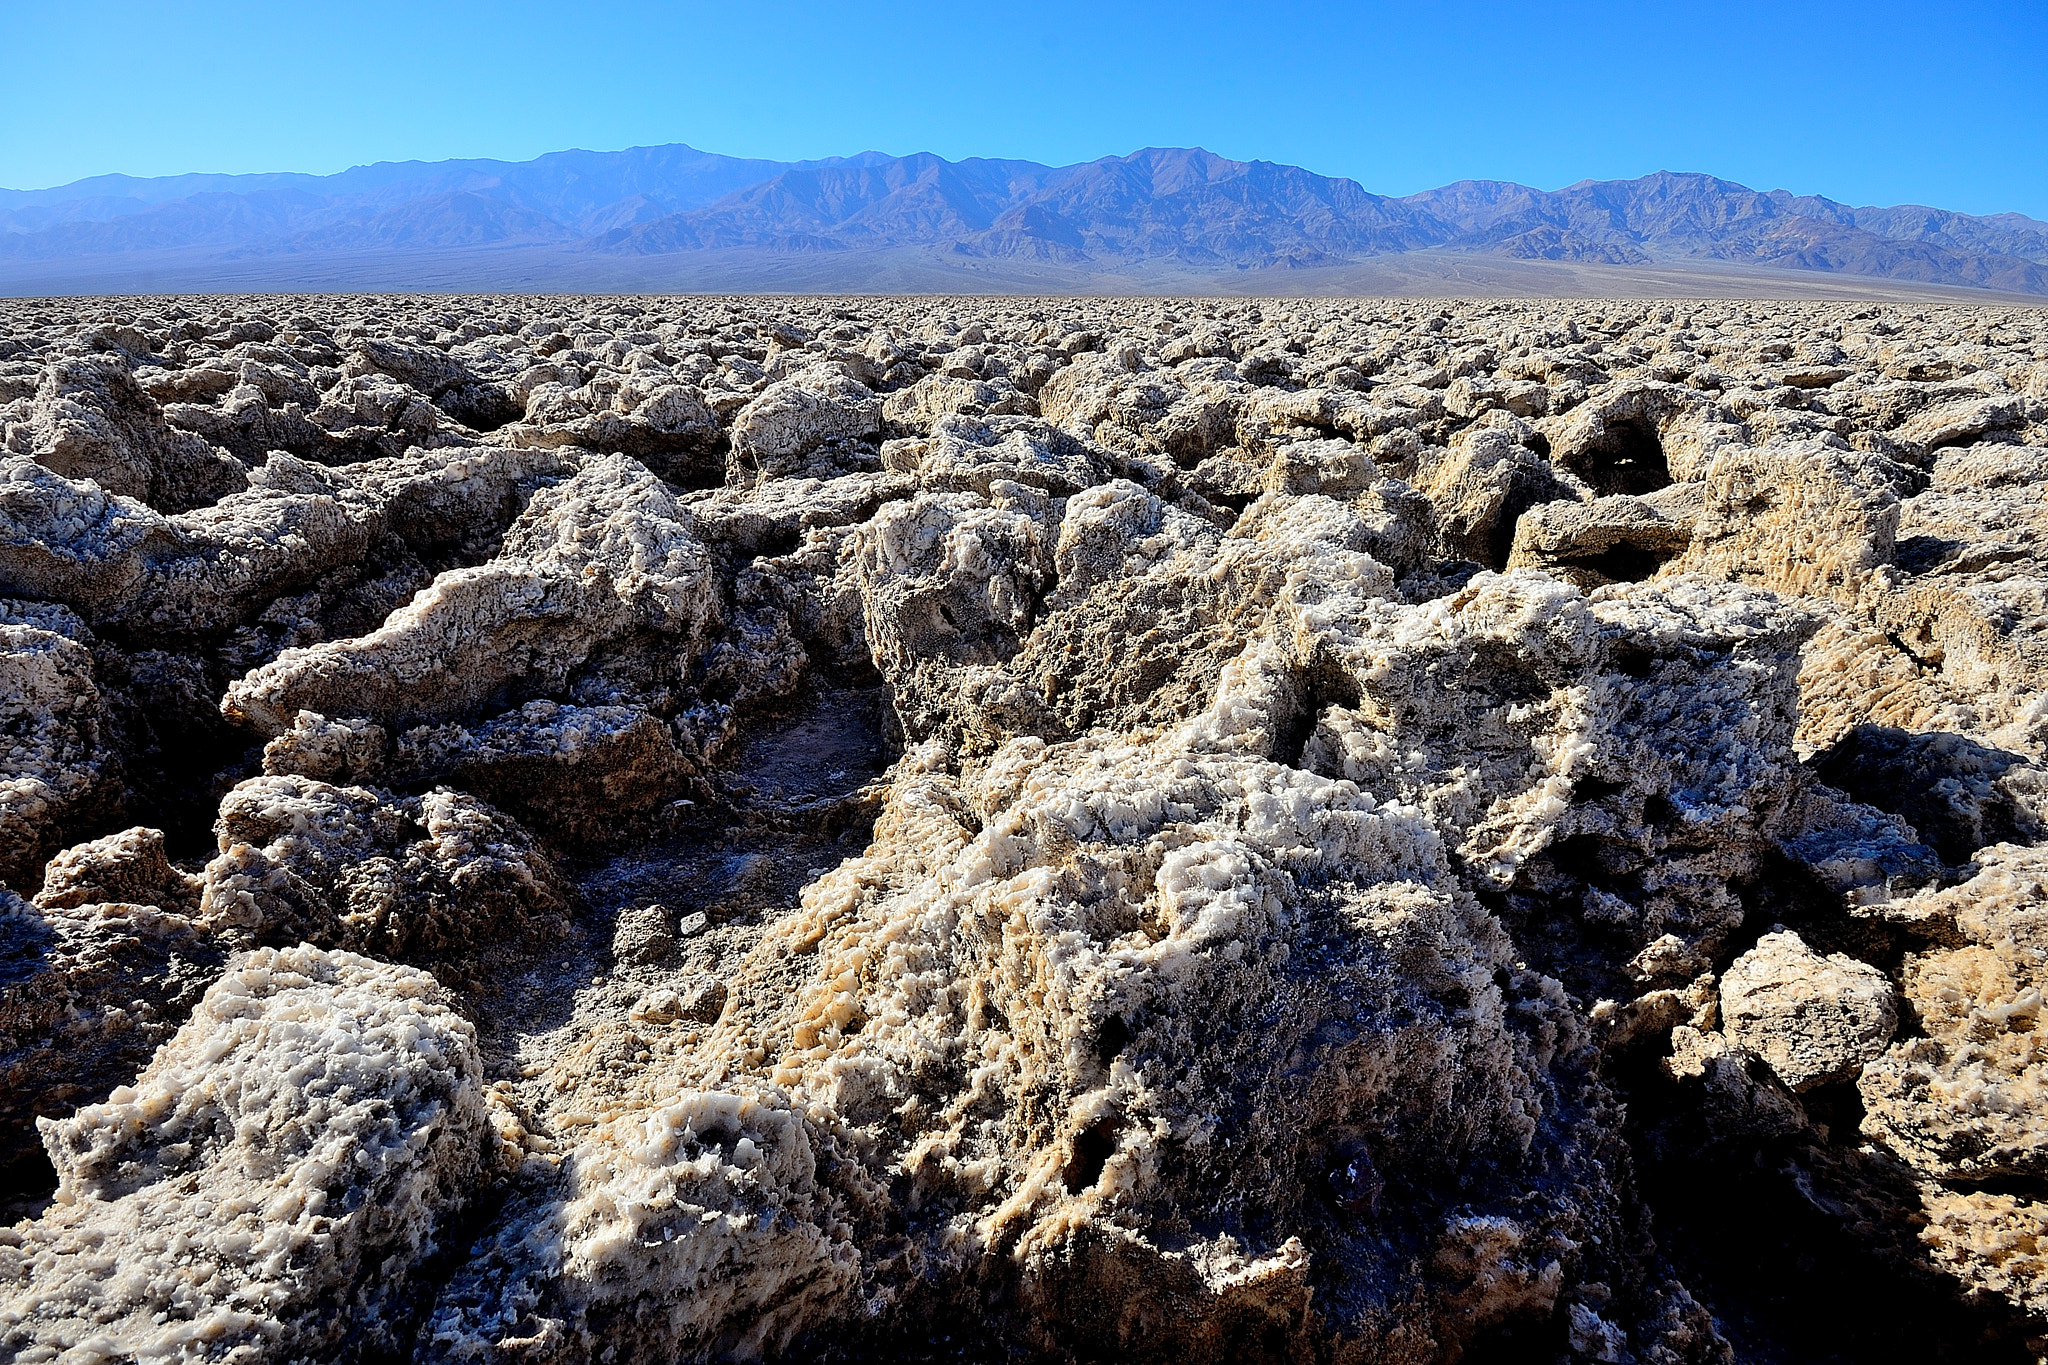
point(1183, 206)
point(1669, 216)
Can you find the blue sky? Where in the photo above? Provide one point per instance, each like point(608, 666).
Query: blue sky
point(1870, 103)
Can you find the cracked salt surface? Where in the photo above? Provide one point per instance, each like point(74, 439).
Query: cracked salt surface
point(856, 829)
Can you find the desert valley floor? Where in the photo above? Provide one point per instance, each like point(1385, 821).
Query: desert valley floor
point(553, 829)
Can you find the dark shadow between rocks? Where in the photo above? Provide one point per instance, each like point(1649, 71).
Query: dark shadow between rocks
point(1622, 562)
point(1770, 1237)
point(1315, 690)
point(1629, 459)
point(790, 801)
point(1958, 794)
point(27, 1185)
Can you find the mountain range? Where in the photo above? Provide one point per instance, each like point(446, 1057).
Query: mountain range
point(674, 217)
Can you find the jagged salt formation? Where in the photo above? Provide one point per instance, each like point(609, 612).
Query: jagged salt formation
point(1178, 829)
point(275, 1172)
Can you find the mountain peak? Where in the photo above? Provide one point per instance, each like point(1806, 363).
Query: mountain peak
point(1184, 206)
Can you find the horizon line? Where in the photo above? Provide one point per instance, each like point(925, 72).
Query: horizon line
point(819, 162)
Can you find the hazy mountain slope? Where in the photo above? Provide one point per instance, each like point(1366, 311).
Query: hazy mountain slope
point(102, 197)
point(210, 218)
point(902, 200)
point(578, 188)
point(1670, 216)
point(2002, 234)
point(1190, 205)
point(1182, 209)
point(584, 192)
point(460, 219)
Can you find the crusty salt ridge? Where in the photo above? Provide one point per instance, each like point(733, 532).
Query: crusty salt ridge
point(263, 1189)
point(1169, 829)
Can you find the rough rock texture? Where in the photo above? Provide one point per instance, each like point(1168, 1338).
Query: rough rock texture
point(129, 867)
point(89, 419)
point(1175, 830)
point(592, 567)
point(440, 875)
point(127, 569)
point(573, 771)
point(87, 993)
point(696, 1229)
point(1809, 520)
point(1812, 1019)
point(1963, 1100)
point(1615, 539)
point(59, 775)
point(793, 417)
point(263, 1189)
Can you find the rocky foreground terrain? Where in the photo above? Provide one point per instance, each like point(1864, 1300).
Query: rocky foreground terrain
point(560, 830)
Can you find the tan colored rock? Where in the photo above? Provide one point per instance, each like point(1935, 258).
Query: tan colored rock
point(1096, 393)
point(1481, 487)
point(1153, 603)
point(1636, 437)
point(1076, 1087)
point(964, 454)
point(1234, 925)
point(91, 421)
point(1978, 513)
point(1540, 728)
point(651, 417)
point(941, 395)
point(793, 417)
point(1964, 421)
point(697, 1230)
point(1966, 1099)
point(947, 580)
point(1991, 1242)
point(1615, 539)
point(1816, 1020)
point(644, 933)
point(346, 750)
point(122, 565)
point(129, 867)
point(1982, 635)
point(1807, 519)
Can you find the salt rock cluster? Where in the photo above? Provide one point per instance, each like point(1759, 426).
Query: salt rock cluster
point(572, 830)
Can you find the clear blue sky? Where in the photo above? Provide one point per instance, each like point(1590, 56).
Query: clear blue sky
point(1944, 104)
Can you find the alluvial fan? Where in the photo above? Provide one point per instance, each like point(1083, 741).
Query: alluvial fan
point(589, 830)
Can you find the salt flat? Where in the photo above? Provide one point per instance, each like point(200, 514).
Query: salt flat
point(564, 828)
